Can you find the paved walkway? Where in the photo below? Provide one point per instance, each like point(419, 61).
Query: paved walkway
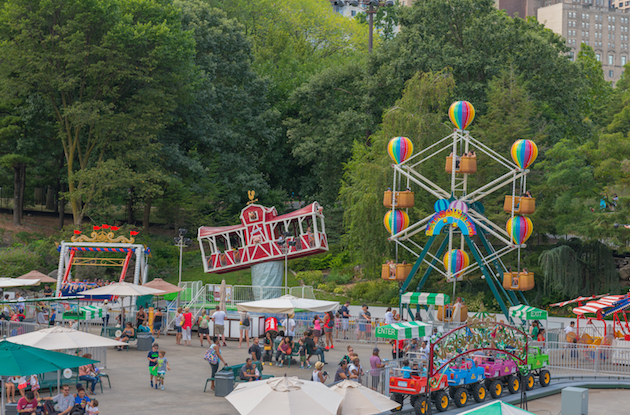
point(131, 392)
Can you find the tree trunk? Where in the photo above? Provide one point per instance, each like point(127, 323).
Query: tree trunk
point(22, 189)
point(61, 206)
point(147, 213)
point(130, 206)
point(50, 198)
point(18, 194)
point(17, 186)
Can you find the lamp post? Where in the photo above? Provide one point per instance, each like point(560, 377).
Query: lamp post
point(373, 6)
point(181, 242)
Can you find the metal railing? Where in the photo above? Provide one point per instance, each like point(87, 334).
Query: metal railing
point(15, 328)
point(588, 360)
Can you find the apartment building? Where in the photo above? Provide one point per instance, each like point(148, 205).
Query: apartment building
point(604, 29)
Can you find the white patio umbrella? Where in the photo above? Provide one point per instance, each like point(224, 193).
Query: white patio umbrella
point(58, 338)
point(122, 289)
point(16, 282)
point(284, 396)
point(287, 304)
point(359, 400)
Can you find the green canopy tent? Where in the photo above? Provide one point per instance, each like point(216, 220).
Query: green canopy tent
point(88, 312)
point(426, 299)
point(21, 360)
point(404, 331)
point(528, 313)
point(497, 408)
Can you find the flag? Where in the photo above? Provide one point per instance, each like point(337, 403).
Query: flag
point(96, 228)
point(133, 233)
point(115, 228)
point(76, 232)
point(105, 226)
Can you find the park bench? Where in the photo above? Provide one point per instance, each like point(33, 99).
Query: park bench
point(236, 370)
point(111, 333)
point(48, 380)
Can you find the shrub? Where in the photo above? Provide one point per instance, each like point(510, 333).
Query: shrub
point(339, 290)
point(313, 278)
point(18, 261)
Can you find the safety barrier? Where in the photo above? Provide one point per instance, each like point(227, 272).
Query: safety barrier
point(15, 328)
point(583, 359)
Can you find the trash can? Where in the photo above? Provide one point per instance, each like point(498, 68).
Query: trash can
point(11, 409)
point(145, 341)
point(223, 382)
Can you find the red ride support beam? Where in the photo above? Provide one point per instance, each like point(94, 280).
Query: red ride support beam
point(65, 276)
point(125, 265)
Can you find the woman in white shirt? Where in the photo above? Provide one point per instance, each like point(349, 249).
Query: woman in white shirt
point(389, 316)
point(318, 374)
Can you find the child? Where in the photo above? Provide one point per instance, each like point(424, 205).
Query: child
point(92, 408)
point(268, 348)
point(302, 353)
point(22, 385)
point(81, 399)
point(159, 370)
point(35, 386)
point(152, 357)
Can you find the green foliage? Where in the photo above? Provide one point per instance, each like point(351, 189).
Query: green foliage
point(578, 268)
point(18, 260)
point(418, 115)
point(313, 278)
point(375, 292)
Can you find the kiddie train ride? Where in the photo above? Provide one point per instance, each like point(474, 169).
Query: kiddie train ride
point(263, 238)
point(472, 361)
point(459, 219)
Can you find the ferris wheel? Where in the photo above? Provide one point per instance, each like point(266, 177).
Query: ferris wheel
point(459, 231)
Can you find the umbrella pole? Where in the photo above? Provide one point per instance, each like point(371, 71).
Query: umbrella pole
point(4, 387)
point(58, 380)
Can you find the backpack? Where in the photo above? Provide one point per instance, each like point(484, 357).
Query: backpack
point(211, 356)
point(204, 322)
point(246, 320)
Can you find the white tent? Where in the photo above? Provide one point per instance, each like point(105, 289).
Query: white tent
point(16, 282)
point(287, 304)
point(285, 395)
point(359, 400)
point(122, 289)
point(59, 338)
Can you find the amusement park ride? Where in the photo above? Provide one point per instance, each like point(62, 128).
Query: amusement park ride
point(459, 227)
point(263, 236)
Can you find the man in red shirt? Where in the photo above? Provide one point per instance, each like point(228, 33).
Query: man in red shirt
point(27, 404)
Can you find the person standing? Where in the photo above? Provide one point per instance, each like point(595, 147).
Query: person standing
point(204, 330)
point(345, 319)
point(160, 369)
point(187, 327)
point(48, 292)
point(376, 365)
point(289, 325)
point(157, 322)
point(317, 328)
point(329, 323)
point(106, 309)
point(179, 320)
point(152, 357)
point(389, 317)
point(365, 323)
point(219, 317)
point(141, 317)
point(255, 351)
point(213, 356)
point(243, 329)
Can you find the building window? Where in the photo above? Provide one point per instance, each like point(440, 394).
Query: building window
point(623, 61)
point(598, 56)
point(571, 55)
point(611, 74)
point(353, 13)
point(611, 60)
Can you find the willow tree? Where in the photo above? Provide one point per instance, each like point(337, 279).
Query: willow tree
point(579, 268)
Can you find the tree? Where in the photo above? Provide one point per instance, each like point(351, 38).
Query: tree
point(103, 66)
point(418, 115)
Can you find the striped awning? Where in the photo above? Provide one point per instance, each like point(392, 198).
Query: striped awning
point(577, 300)
point(425, 298)
point(92, 312)
point(593, 307)
point(526, 312)
point(403, 331)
